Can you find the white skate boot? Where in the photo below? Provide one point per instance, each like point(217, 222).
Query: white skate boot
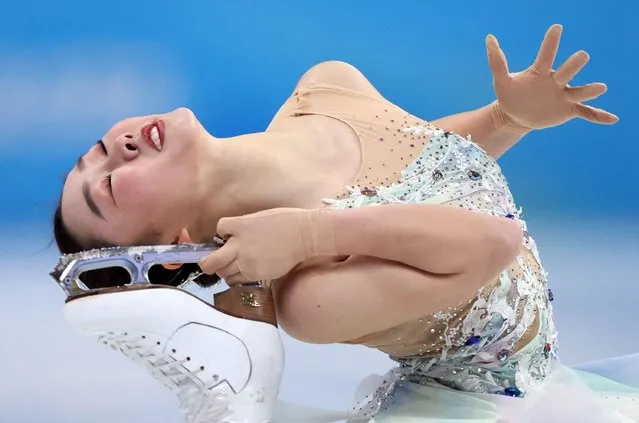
point(222, 368)
point(224, 362)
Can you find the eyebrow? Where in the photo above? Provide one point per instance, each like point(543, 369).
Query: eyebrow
point(89, 200)
point(80, 163)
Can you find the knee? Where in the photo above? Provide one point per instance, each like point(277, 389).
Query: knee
point(339, 74)
point(332, 72)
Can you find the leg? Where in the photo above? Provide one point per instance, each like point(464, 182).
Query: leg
point(345, 301)
point(336, 73)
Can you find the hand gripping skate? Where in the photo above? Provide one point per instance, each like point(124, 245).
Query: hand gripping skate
point(224, 362)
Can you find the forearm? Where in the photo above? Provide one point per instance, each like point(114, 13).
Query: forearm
point(439, 239)
point(488, 126)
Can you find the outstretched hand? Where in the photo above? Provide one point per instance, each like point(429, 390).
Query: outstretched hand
point(540, 97)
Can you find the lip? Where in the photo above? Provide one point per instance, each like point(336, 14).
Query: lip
point(146, 133)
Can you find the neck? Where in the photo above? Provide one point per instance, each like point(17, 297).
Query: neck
point(251, 173)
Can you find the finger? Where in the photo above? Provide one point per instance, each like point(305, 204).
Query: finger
point(496, 58)
point(592, 114)
point(230, 270)
point(218, 259)
point(571, 67)
point(226, 226)
point(585, 92)
point(548, 49)
point(236, 279)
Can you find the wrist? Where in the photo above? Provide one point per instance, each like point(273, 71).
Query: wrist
point(502, 120)
point(317, 232)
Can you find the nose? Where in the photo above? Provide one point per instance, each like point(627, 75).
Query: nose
point(127, 146)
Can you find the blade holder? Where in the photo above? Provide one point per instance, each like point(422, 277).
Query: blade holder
point(137, 261)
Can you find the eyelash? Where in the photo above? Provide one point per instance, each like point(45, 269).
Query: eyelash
point(102, 147)
point(108, 177)
point(108, 181)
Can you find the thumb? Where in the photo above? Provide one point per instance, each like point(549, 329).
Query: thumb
point(496, 58)
point(218, 259)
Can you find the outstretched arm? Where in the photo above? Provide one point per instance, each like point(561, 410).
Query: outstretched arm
point(488, 126)
point(535, 98)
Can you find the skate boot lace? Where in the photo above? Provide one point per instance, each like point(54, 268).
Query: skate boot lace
point(198, 404)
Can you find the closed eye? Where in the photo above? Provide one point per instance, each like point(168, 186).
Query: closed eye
point(107, 180)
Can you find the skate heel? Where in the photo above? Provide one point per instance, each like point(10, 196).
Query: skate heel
point(252, 302)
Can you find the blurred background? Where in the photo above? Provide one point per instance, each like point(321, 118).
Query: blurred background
point(70, 69)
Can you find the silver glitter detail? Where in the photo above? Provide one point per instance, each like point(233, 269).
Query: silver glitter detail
point(502, 313)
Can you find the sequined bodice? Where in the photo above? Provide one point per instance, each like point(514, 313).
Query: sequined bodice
point(473, 346)
point(503, 339)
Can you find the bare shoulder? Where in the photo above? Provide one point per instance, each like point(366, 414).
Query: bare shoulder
point(332, 72)
point(340, 74)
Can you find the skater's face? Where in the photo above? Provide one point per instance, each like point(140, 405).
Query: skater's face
point(136, 184)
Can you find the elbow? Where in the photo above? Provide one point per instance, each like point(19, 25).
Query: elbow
point(501, 242)
point(509, 242)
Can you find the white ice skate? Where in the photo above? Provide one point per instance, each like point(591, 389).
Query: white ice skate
point(224, 362)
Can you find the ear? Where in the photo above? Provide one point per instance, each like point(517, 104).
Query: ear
point(183, 237)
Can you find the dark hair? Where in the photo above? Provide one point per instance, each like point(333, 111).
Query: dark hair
point(116, 276)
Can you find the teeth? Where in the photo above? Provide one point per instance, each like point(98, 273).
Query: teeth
point(155, 137)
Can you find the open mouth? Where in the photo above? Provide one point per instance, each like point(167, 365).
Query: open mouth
point(154, 134)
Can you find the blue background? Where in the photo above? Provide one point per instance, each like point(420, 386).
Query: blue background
point(235, 62)
point(70, 69)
